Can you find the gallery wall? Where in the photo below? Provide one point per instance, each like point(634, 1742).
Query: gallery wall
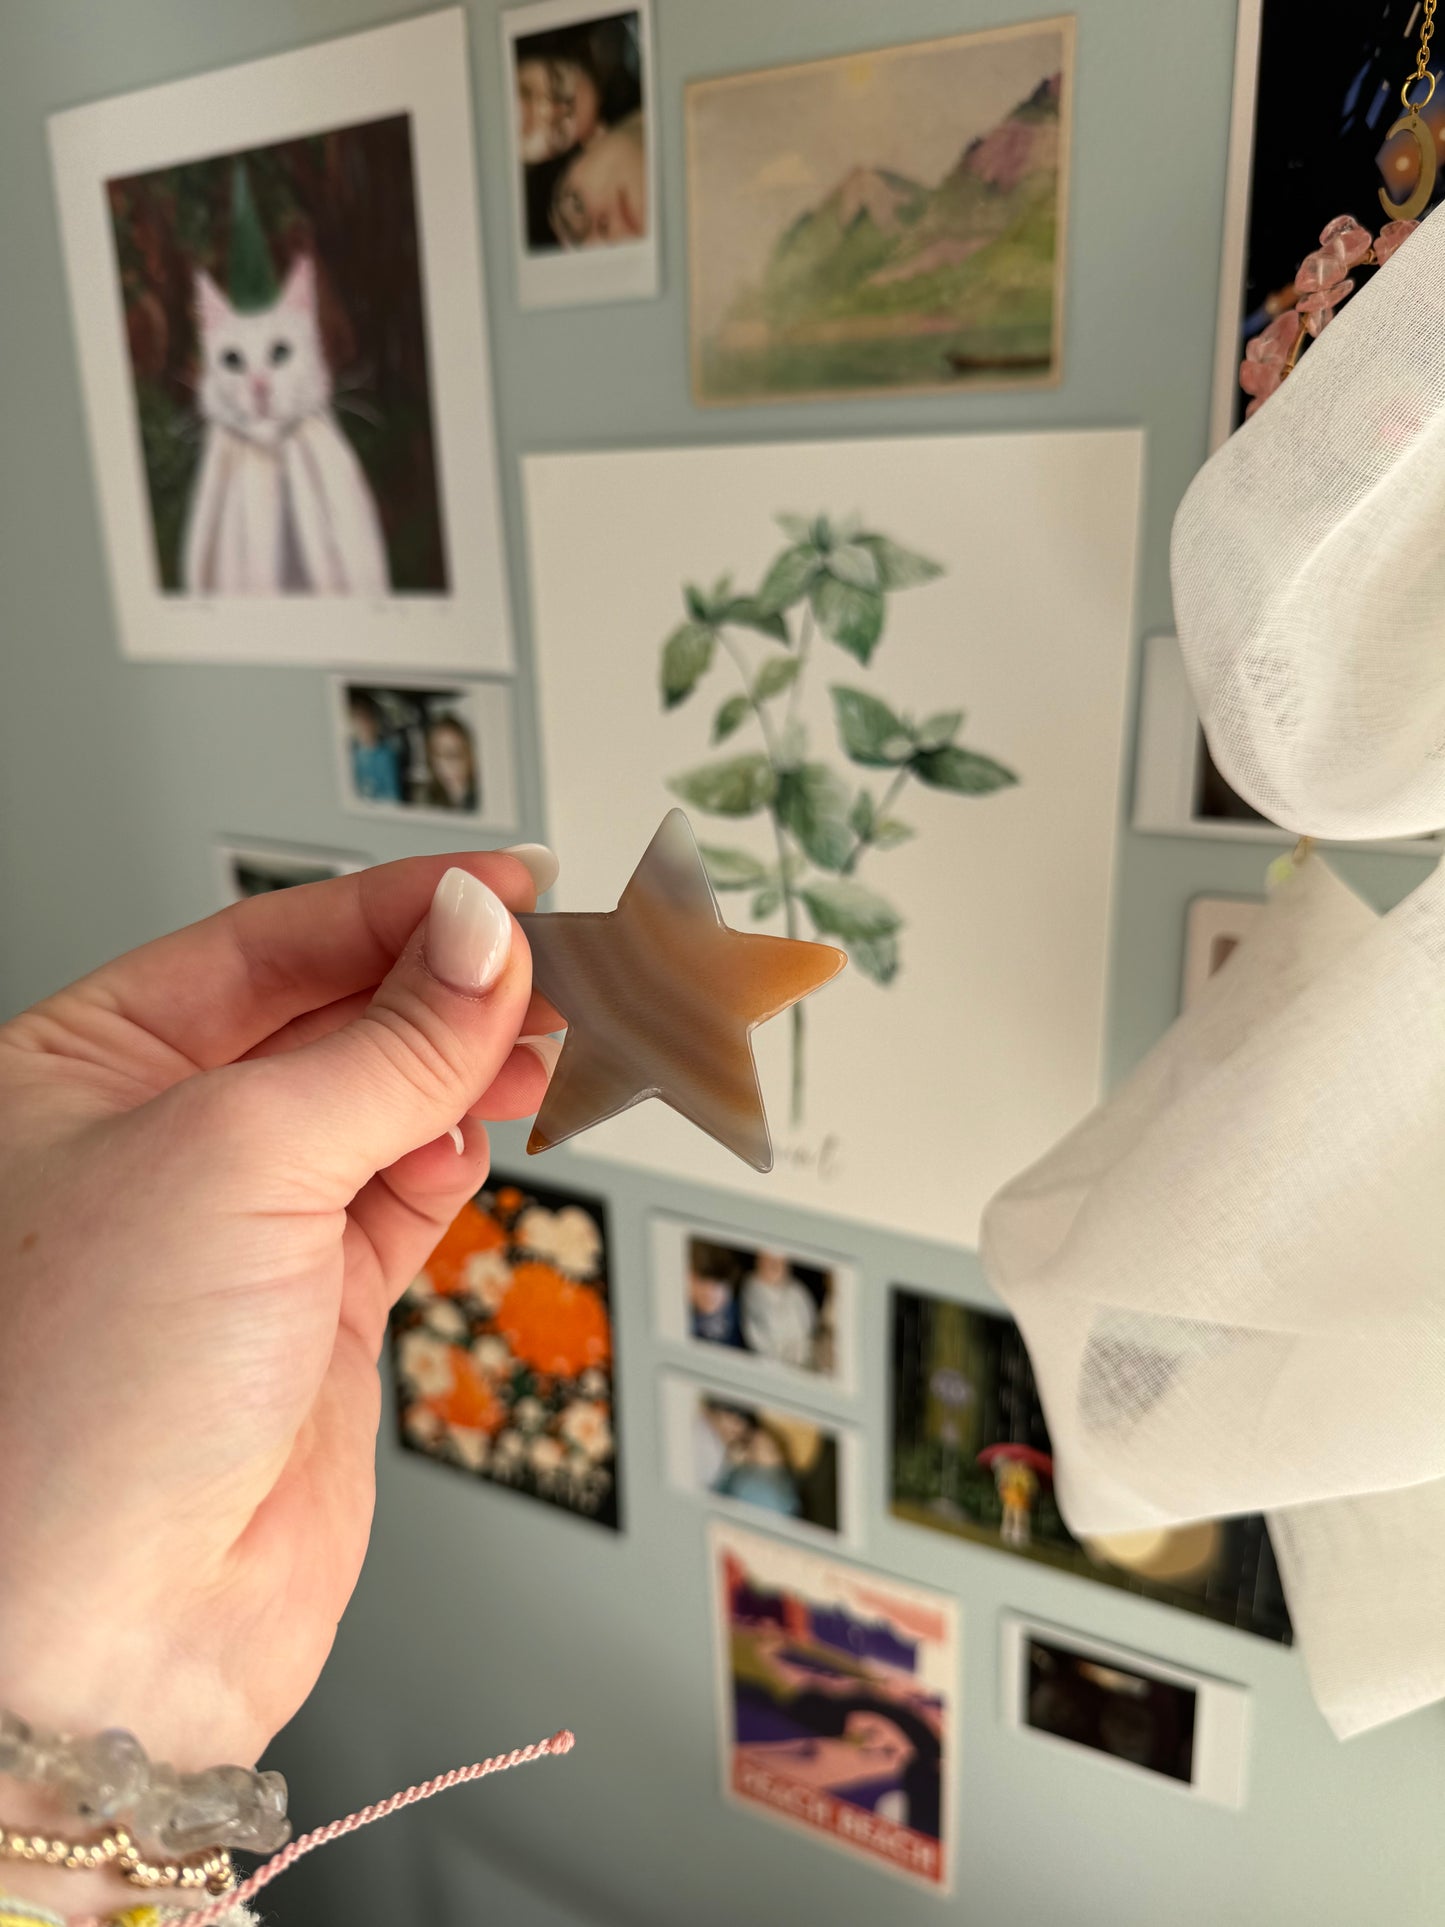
point(483, 1622)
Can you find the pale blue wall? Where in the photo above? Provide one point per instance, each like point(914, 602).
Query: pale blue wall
point(482, 1622)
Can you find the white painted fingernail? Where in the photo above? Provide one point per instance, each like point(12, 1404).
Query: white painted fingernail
point(546, 1049)
point(468, 933)
point(540, 862)
point(454, 1132)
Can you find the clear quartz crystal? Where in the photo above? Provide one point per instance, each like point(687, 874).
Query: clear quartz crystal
point(206, 1813)
point(16, 1746)
point(110, 1774)
point(152, 1811)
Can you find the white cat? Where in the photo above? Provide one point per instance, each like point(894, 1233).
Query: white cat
point(280, 503)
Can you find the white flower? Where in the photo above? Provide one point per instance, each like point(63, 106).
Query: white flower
point(443, 1318)
point(529, 1415)
point(508, 1447)
point(471, 1447)
point(589, 1428)
point(486, 1276)
point(546, 1454)
point(492, 1358)
point(425, 1362)
point(569, 1238)
point(420, 1289)
point(593, 1384)
point(421, 1426)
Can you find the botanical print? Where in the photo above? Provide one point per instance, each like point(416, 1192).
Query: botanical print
point(832, 582)
point(972, 1456)
point(503, 1349)
point(805, 708)
point(277, 344)
point(889, 219)
point(838, 1691)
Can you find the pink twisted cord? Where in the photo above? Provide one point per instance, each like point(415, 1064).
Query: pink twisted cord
point(217, 1909)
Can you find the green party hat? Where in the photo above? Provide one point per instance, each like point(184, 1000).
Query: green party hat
point(251, 279)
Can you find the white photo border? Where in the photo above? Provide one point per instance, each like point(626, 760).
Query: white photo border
point(667, 1236)
point(418, 68)
point(226, 849)
point(627, 271)
point(1221, 1711)
point(1207, 919)
point(1225, 395)
point(485, 705)
point(679, 1394)
point(1169, 760)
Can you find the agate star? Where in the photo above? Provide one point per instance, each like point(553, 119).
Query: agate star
point(661, 998)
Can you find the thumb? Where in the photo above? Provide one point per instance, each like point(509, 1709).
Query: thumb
point(440, 1027)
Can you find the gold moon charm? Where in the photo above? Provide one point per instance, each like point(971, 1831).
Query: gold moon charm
point(1416, 201)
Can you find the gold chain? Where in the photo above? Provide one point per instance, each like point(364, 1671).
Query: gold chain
point(214, 1871)
point(1422, 60)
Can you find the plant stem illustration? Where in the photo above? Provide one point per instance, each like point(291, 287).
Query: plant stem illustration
point(833, 581)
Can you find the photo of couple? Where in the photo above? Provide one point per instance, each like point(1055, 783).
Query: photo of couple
point(756, 1300)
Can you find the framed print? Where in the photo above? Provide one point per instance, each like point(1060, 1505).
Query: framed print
point(1214, 928)
point(432, 750)
point(972, 1457)
point(584, 163)
point(830, 655)
point(503, 1350)
point(252, 869)
point(1313, 134)
point(771, 1306)
point(1185, 1730)
point(799, 1471)
point(1178, 788)
point(837, 1701)
point(275, 282)
point(885, 220)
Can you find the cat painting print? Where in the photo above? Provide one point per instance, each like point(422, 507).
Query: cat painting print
point(286, 378)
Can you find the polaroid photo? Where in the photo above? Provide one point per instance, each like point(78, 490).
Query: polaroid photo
point(735, 1301)
point(837, 1702)
point(275, 280)
point(429, 749)
point(253, 869)
point(1214, 928)
point(1143, 1716)
point(583, 142)
point(801, 1472)
point(1178, 790)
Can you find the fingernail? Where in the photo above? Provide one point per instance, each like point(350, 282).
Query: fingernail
point(540, 862)
point(454, 1132)
point(546, 1049)
point(468, 933)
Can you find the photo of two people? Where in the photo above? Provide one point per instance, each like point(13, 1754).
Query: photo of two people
point(411, 748)
point(753, 1299)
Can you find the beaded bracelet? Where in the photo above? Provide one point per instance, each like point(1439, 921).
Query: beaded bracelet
point(108, 1777)
point(119, 1852)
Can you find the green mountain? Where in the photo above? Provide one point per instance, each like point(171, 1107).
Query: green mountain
point(882, 255)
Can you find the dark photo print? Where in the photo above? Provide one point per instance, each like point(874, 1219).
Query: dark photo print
point(1131, 1716)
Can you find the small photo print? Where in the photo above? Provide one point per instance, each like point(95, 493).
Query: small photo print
point(439, 750)
point(1214, 929)
point(255, 869)
point(1141, 1714)
point(581, 120)
point(725, 1447)
point(503, 1349)
point(972, 1456)
point(785, 1310)
point(838, 1698)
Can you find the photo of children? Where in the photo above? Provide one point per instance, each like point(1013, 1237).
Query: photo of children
point(420, 748)
point(837, 1690)
point(723, 1445)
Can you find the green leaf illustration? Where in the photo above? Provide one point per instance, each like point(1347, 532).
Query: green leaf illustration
point(813, 804)
point(696, 602)
point(766, 901)
point(732, 869)
point(739, 787)
point(888, 834)
point(868, 729)
point(898, 568)
point(686, 655)
point(853, 563)
point(842, 908)
point(797, 527)
point(934, 731)
point(747, 612)
point(787, 581)
point(853, 617)
point(860, 817)
point(734, 711)
point(775, 675)
point(962, 770)
point(876, 957)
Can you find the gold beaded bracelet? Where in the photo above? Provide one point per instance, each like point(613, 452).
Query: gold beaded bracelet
point(116, 1849)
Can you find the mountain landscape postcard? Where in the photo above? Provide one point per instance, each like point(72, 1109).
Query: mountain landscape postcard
point(884, 220)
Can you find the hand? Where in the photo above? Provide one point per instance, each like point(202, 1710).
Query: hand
point(222, 1160)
